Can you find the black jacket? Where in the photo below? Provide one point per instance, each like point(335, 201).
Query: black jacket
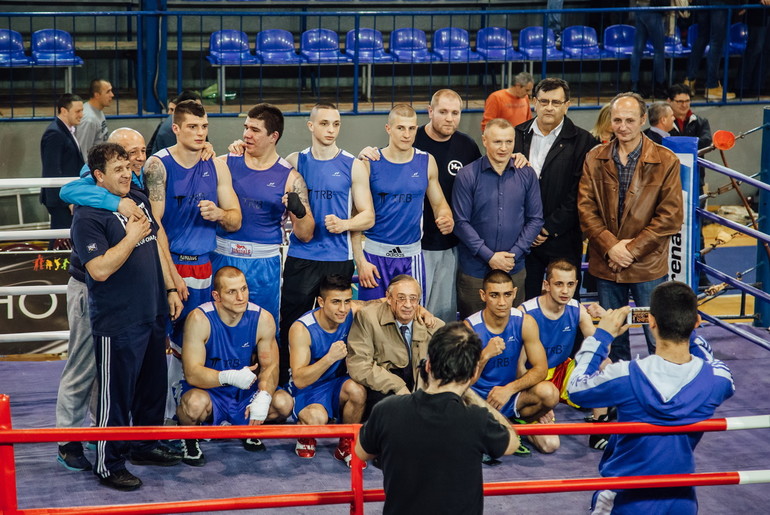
point(559, 180)
point(61, 158)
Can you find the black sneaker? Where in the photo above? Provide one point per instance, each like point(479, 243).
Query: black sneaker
point(253, 445)
point(71, 457)
point(489, 461)
point(599, 442)
point(192, 453)
point(159, 456)
point(121, 480)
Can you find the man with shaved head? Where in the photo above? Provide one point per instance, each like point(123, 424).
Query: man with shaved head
point(400, 182)
point(93, 127)
point(338, 191)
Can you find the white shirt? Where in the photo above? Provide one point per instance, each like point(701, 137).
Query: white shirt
point(541, 145)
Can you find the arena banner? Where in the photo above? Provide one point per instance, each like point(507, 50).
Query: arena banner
point(681, 251)
point(33, 313)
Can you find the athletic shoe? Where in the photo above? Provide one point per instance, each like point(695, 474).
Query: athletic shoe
point(305, 448)
point(599, 442)
point(159, 456)
point(489, 461)
point(71, 457)
point(91, 446)
point(253, 445)
point(522, 451)
point(192, 454)
point(344, 453)
point(121, 480)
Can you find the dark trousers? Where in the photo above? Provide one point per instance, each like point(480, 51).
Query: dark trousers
point(712, 31)
point(131, 367)
point(301, 279)
point(649, 25)
point(61, 218)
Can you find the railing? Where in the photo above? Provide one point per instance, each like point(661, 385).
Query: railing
point(356, 496)
point(175, 47)
point(759, 229)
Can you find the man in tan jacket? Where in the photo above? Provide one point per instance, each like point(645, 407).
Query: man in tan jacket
point(630, 204)
point(387, 342)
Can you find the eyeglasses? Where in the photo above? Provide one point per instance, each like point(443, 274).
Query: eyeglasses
point(556, 103)
point(412, 299)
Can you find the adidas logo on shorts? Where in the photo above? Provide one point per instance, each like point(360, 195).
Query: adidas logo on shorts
point(395, 252)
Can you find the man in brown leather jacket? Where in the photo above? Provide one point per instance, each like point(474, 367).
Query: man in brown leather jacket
point(630, 203)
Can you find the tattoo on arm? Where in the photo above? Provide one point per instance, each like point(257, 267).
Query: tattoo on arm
point(155, 176)
point(300, 188)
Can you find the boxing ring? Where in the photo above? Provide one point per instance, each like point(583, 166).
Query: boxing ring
point(357, 495)
point(684, 266)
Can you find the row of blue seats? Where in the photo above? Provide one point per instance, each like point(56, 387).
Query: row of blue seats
point(50, 47)
point(450, 44)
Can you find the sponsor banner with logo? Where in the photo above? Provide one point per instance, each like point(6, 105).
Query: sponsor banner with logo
point(681, 251)
point(33, 313)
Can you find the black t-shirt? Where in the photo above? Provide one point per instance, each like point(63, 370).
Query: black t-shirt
point(431, 447)
point(450, 155)
point(133, 294)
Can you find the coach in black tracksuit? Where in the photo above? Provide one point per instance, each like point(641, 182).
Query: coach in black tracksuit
point(556, 149)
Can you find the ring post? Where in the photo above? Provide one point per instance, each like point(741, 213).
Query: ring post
point(761, 307)
point(8, 500)
point(682, 250)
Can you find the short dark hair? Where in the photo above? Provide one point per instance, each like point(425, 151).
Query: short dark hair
point(496, 276)
point(675, 308)
point(188, 94)
point(186, 107)
point(95, 87)
point(225, 271)
point(559, 264)
point(270, 115)
point(65, 101)
point(678, 89)
point(454, 351)
point(333, 282)
point(101, 154)
point(550, 84)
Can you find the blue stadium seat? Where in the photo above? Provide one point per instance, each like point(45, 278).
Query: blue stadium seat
point(230, 47)
point(322, 46)
point(54, 47)
point(276, 46)
point(581, 42)
point(453, 45)
point(496, 44)
point(410, 45)
point(12, 49)
point(370, 46)
point(531, 44)
point(619, 41)
point(739, 36)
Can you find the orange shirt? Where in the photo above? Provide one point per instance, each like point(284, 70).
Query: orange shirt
point(501, 104)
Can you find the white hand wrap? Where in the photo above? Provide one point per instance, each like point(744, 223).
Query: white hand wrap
point(260, 404)
point(242, 378)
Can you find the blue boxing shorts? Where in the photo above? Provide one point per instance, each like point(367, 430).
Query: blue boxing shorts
point(326, 393)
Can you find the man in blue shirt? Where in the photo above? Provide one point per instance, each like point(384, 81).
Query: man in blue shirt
point(498, 214)
point(671, 387)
